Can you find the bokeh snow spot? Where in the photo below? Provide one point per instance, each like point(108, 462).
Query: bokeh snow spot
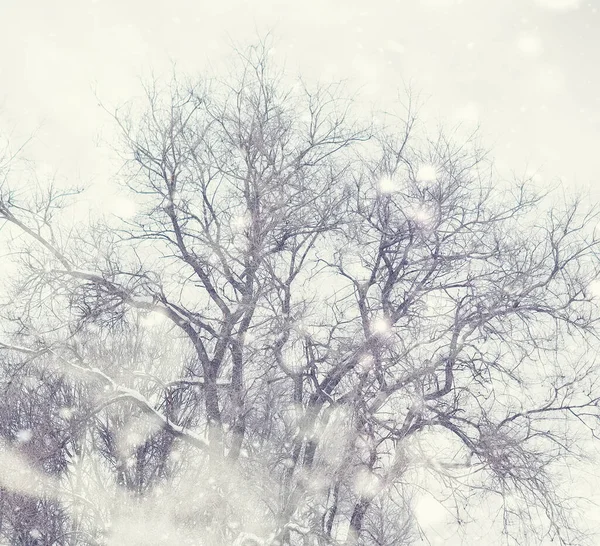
point(420, 214)
point(24, 435)
point(380, 326)
point(530, 44)
point(65, 413)
point(427, 173)
point(240, 223)
point(387, 184)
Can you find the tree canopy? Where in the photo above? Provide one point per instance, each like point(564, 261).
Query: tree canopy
point(313, 317)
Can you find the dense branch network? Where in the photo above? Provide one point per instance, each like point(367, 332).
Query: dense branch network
point(305, 303)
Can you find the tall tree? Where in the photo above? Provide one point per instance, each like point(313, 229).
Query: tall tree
point(305, 314)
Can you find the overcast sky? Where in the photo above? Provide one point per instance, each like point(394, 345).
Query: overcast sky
point(526, 70)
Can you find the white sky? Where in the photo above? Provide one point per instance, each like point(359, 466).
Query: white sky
point(526, 69)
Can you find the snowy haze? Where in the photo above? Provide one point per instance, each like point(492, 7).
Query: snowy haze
point(524, 71)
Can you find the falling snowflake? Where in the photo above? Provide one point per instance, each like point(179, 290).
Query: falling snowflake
point(65, 413)
point(387, 184)
point(380, 326)
point(366, 363)
point(427, 173)
point(24, 435)
point(240, 223)
point(420, 214)
point(288, 463)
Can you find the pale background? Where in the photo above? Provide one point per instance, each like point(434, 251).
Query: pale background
point(527, 71)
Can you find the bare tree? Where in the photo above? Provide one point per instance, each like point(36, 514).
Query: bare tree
point(302, 304)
